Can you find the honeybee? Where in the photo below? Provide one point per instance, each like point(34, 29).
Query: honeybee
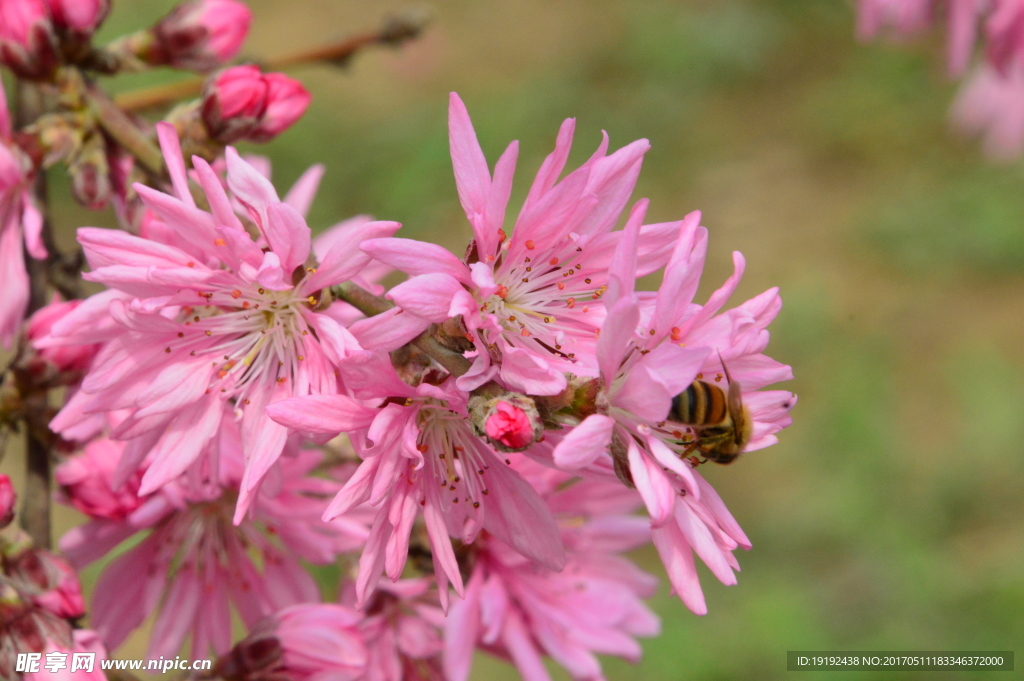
point(720, 423)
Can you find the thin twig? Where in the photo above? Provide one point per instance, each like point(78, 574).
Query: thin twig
point(396, 30)
point(35, 510)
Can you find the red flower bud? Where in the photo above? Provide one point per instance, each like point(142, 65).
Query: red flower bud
point(243, 103)
point(28, 45)
point(200, 35)
point(287, 100)
point(510, 423)
point(7, 501)
point(80, 16)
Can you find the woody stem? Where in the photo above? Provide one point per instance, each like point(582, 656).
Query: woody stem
point(395, 30)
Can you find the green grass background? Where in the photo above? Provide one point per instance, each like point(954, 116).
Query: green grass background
point(890, 515)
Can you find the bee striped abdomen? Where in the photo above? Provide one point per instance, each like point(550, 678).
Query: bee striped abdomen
point(700, 404)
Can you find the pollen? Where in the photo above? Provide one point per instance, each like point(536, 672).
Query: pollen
point(530, 245)
point(236, 293)
point(553, 261)
point(677, 333)
point(220, 242)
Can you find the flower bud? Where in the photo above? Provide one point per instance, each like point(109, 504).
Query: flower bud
point(49, 581)
point(90, 174)
point(28, 45)
point(78, 16)
point(65, 358)
point(301, 642)
point(200, 35)
point(86, 482)
point(233, 103)
point(510, 423)
point(243, 103)
point(287, 100)
point(7, 501)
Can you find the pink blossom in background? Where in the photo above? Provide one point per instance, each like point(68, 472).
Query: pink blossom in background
point(88, 481)
point(909, 17)
point(83, 641)
point(320, 641)
point(206, 316)
point(82, 16)
point(991, 105)
point(402, 626)
point(8, 498)
point(420, 456)
point(46, 580)
point(519, 610)
point(28, 45)
point(530, 301)
point(653, 349)
point(195, 563)
point(65, 358)
point(20, 223)
point(200, 35)
point(1004, 33)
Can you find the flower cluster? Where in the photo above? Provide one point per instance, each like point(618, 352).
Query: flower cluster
point(991, 102)
point(474, 449)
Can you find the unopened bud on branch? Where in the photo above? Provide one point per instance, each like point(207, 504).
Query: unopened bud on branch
point(7, 501)
point(82, 17)
point(49, 581)
point(28, 44)
point(243, 103)
point(90, 174)
point(510, 423)
point(199, 35)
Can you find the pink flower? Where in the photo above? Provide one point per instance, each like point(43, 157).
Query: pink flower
point(420, 455)
point(47, 580)
point(65, 358)
point(315, 642)
point(88, 482)
point(1004, 30)
point(206, 316)
point(652, 350)
point(8, 499)
point(991, 105)
point(531, 303)
point(82, 16)
point(25, 628)
point(510, 425)
point(28, 45)
point(200, 35)
point(402, 627)
point(244, 103)
point(909, 17)
point(19, 222)
point(83, 641)
point(520, 610)
point(194, 563)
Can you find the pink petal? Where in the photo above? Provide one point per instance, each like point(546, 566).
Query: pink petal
point(522, 370)
point(321, 414)
point(658, 494)
point(585, 442)
point(472, 177)
point(417, 257)
point(288, 235)
point(427, 295)
point(345, 258)
point(301, 195)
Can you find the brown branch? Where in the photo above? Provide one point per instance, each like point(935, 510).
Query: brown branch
point(369, 304)
point(35, 509)
point(396, 30)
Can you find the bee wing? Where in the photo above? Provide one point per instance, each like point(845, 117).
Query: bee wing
point(735, 402)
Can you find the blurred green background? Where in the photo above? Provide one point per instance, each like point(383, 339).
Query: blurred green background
point(890, 515)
